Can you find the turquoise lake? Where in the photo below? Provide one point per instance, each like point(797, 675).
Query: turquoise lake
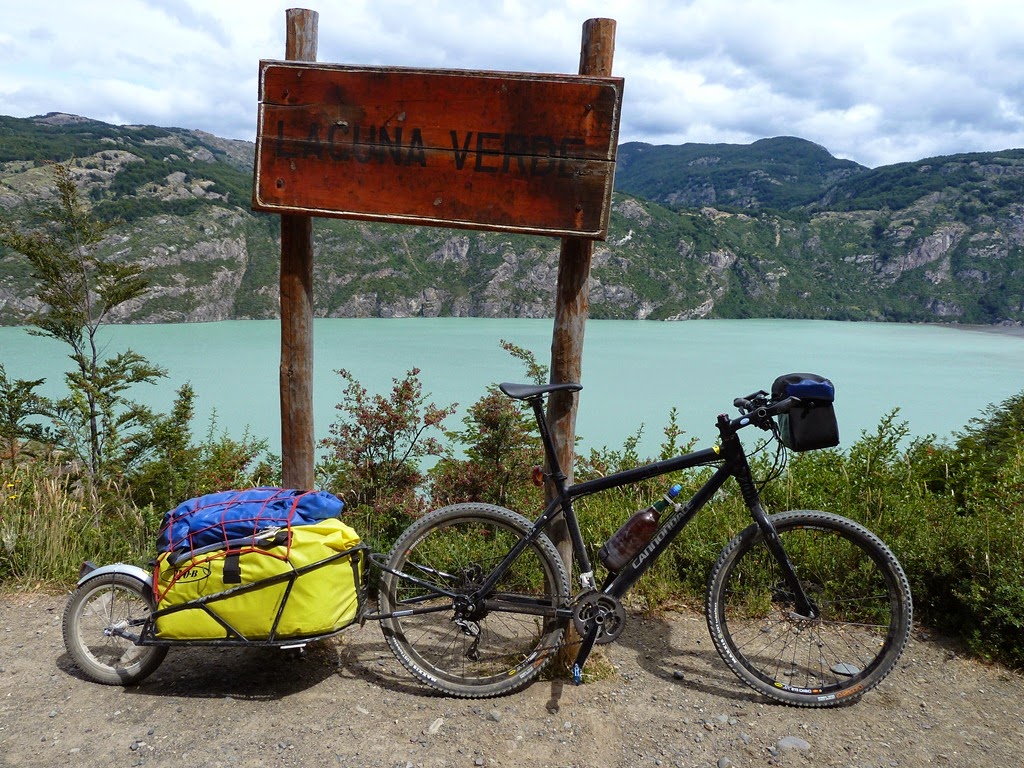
point(633, 372)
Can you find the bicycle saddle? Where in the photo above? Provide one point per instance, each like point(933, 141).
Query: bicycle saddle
point(526, 391)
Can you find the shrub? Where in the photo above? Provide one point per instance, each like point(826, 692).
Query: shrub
point(501, 446)
point(671, 576)
point(954, 515)
point(177, 469)
point(986, 562)
point(19, 404)
point(375, 450)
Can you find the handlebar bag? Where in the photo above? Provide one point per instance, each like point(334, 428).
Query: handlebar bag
point(811, 424)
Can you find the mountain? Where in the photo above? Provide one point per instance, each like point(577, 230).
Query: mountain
point(779, 173)
point(778, 228)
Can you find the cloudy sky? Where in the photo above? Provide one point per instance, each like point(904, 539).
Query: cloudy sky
point(875, 81)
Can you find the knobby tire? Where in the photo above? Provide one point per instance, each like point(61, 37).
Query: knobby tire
point(486, 650)
point(862, 598)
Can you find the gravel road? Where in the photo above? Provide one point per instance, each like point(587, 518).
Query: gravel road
point(669, 701)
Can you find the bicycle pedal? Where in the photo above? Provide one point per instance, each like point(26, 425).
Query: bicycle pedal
point(586, 646)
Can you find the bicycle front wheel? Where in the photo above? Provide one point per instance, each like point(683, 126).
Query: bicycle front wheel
point(100, 619)
point(861, 621)
point(495, 645)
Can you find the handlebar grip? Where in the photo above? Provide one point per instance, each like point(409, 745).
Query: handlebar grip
point(784, 406)
point(751, 402)
point(743, 404)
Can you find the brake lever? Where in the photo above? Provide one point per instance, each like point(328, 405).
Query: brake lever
point(761, 410)
point(751, 402)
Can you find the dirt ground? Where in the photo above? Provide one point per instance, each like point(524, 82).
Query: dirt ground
point(670, 701)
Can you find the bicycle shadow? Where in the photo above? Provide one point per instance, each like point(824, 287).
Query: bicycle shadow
point(675, 647)
point(362, 654)
point(262, 673)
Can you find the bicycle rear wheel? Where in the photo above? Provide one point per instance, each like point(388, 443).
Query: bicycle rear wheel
point(98, 619)
point(472, 651)
point(862, 599)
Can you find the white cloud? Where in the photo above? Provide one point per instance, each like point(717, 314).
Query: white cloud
point(878, 82)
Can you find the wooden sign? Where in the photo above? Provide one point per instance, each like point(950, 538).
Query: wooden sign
point(514, 152)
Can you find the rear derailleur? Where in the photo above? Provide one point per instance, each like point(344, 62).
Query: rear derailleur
point(467, 614)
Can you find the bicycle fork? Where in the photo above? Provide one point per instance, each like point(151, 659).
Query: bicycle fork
point(805, 608)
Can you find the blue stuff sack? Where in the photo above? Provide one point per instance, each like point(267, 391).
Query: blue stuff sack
point(231, 518)
point(811, 424)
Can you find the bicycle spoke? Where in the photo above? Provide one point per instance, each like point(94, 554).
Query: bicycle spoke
point(862, 611)
point(493, 642)
point(97, 628)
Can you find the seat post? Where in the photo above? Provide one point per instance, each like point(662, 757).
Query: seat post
point(537, 404)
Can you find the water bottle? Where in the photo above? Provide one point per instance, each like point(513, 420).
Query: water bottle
point(635, 532)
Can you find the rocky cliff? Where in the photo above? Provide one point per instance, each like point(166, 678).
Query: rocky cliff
point(799, 236)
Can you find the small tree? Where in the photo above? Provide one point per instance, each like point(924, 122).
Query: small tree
point(79, 289)
point(375, 450)
point(502, 445)
point(19, 403)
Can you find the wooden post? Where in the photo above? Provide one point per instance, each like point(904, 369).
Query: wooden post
point(297, 441)
point(572, 300)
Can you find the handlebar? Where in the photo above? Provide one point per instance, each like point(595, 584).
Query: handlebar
point(751, 402)
point(759, 407)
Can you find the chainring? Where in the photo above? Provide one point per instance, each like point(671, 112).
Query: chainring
point(604, 611)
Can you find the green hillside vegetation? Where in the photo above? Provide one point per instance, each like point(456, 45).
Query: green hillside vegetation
point(159, 152)
point(55, 141)
point(780, 173)
point(89, 475)
point(980, 183)
point(778, 228)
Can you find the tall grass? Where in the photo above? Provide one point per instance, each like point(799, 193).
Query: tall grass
point(50, 524)
point(955, 523)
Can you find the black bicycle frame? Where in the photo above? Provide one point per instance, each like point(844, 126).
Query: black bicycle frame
point(732, 461)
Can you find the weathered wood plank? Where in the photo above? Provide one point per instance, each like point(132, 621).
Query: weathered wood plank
point(501, 151)
point(296, 284)
point(438, 101)
point(572, 305)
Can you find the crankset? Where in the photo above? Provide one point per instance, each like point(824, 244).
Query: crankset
point(599, 613)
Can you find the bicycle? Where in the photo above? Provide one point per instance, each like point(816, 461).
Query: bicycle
point(805, 607)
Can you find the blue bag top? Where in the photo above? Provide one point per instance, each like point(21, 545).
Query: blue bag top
point(810, 389)
point(229, 516)
point(806, 386)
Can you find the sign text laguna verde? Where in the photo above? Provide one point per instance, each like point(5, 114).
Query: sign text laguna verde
point(514, 152)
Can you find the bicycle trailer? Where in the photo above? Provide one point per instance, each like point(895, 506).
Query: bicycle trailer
point(263, 564)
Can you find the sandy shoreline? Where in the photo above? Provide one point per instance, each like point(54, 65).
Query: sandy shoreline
point(1006, 330)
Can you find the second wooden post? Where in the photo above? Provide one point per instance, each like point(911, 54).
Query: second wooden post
point(297, 439)
point(572, 298)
